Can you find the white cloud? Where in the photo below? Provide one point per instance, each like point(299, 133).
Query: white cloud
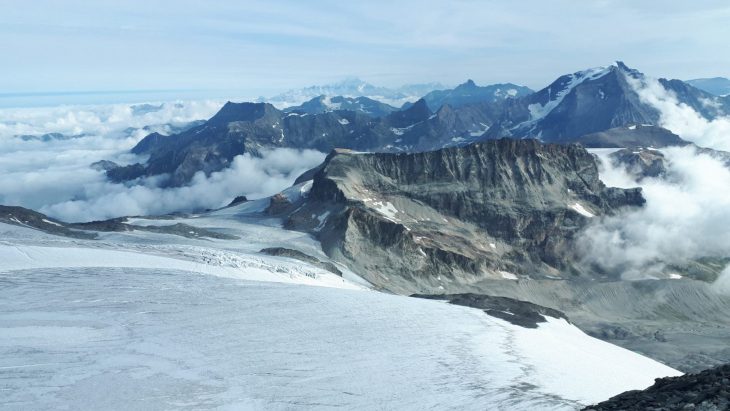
point(686, 216)
point(251, 176)
point(54, 176)
point(683, 119)
point(687, 213)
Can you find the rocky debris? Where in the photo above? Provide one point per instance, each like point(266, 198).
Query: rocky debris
point(522, 313)
point(28, 218)
point(238, 200)
point(298, 255)
point(418, 222)
point(708, 390)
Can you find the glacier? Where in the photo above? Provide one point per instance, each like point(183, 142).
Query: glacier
point(141, 320)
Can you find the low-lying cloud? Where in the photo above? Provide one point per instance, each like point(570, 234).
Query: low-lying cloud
point(686, 216)
point(683, 119)
point(687, 213)
point(254, 177)
point(55, 177)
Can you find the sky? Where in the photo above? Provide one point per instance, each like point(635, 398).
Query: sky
point(245, 49)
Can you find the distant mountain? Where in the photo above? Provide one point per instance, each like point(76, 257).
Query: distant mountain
point(251, 127)
point(323, 104)
point(633, 136)
point(469, 93)
point(591, 101)
point(719, 86)
point(598, 107)
point(354, 87)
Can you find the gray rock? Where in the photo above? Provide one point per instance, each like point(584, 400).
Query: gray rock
point(415, 222)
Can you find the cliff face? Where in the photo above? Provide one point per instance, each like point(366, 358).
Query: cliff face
point(447, 218)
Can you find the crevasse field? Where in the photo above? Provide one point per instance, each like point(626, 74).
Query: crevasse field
point(140, 320)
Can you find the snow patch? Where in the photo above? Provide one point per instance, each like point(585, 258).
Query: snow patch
point(581, 210)
point(508, 275)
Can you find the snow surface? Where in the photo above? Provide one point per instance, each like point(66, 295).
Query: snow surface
point(131, 338)
point(508, 276)
point(581, 210)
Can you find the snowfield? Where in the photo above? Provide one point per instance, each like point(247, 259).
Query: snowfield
point(141, 320)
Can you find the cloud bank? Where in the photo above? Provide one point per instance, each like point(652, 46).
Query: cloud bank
point(54, 176)
point(686, 216)
point(251, 176)
point(683, 119)
point(687, 213)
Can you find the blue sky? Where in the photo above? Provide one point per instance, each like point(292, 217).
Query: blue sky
point(251, 48)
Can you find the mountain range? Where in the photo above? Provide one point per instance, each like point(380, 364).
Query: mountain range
point(353, 87)
point(478, 196)
point(598, 107)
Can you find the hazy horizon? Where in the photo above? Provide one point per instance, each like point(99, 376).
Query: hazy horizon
point(250, 49)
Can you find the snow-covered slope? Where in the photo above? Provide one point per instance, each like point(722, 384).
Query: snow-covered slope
point(142, 320)
point(116, 338)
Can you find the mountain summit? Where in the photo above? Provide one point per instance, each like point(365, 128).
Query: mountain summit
point(590, 101)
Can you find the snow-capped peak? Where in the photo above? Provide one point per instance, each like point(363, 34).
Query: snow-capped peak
point(560, 88)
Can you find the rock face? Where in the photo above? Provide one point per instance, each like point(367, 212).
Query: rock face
point(708, 390)
point(419, 222)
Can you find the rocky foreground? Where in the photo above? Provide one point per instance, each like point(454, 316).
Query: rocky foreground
point(707, 391)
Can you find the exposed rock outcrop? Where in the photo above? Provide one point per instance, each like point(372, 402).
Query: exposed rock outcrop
point(419, 222)
point(708, 390)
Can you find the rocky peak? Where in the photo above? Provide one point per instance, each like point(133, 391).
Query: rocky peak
point(463, 213)
point(417, 112)
point(231, 112)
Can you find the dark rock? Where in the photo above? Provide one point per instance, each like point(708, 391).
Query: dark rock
point(459, 214)
point(278, 205)
point(522, 313)
point(469, 93)
point(238, 200)
point(706, 390)
point(324, 104)
point(32, 219)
